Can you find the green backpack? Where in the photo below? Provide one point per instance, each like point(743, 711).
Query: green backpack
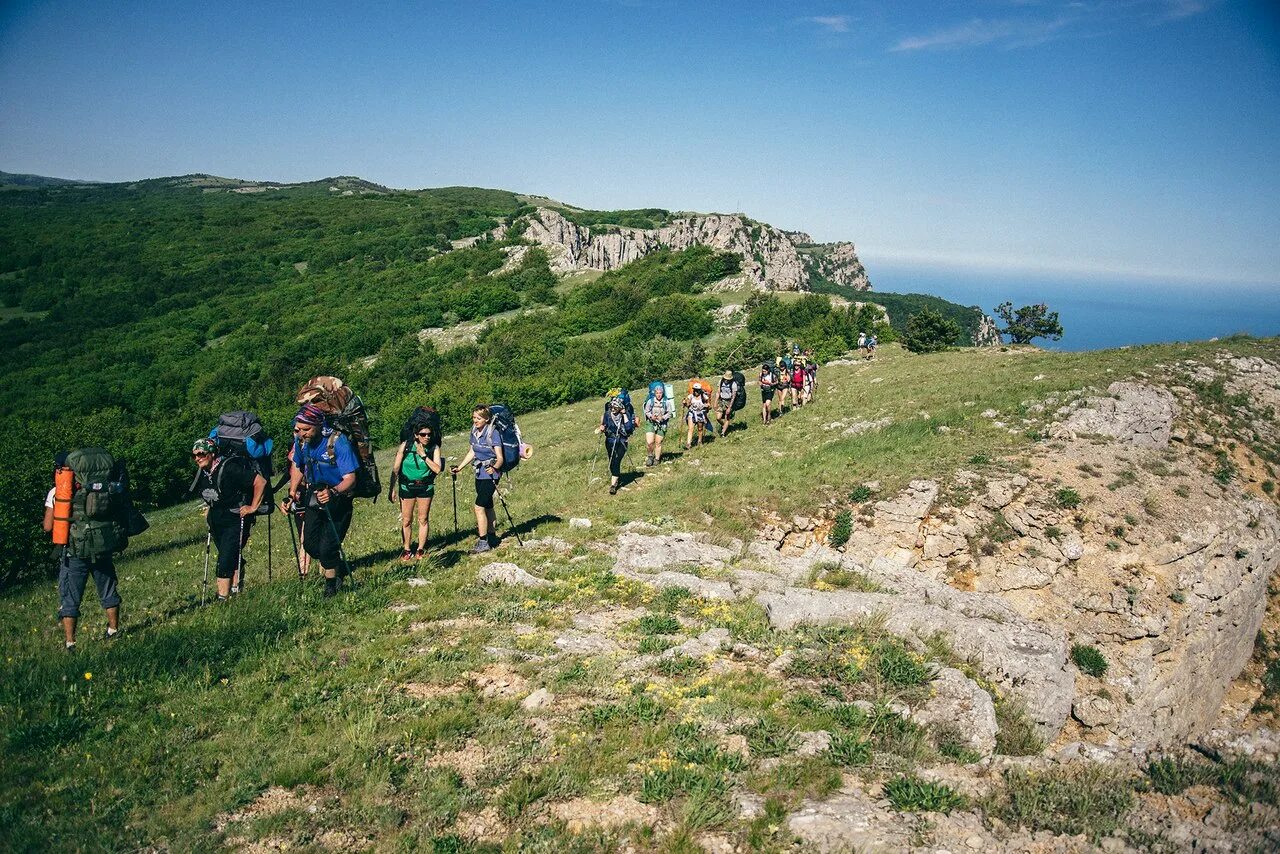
point(99, 505)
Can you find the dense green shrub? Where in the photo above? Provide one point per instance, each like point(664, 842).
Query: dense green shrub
point(1089, 659)
point(910, 793)
point(929, 332)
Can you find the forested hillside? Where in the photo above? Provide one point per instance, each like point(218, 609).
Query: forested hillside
point(134, 314)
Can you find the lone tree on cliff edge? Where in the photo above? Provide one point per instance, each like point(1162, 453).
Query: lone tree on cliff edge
point(1030, 321)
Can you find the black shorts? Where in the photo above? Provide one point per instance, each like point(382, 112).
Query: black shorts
point(230, 540)
point(416, 488)
point(484, 492)
point(766, 395)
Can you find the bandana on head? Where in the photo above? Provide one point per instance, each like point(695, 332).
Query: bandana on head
point(204, 446)
point(310, 414)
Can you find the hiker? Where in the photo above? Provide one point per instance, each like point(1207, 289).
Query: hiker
point(862, 344)
point(232, 494)
point(797, 381)
point(871, 347)
point(725, 396)
point(811, 373)
point(657, 415)
point(413, 484)
point(487, 455)
point(768, 379)
point(87, 541)
point(696, 403)
point(323, 476)
point(617, 424)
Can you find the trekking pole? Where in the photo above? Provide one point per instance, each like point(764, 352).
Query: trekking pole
point(510, 521)
point(268, 548)
point(208, 542)
point(294, 539)
point(454, 475)
point(240, 552)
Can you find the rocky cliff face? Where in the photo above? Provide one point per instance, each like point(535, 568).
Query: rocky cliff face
point(987, 334)
point(1113, 536)
point(771, 258)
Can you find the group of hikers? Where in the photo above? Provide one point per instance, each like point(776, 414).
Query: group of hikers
point(330, 463)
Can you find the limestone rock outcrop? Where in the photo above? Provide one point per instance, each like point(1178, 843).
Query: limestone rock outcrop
point(771, 258)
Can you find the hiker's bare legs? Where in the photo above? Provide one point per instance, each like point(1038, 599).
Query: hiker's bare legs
point(406, 521)
point(424, 524)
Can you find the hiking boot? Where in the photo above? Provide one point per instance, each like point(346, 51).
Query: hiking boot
point(406, 557)
point(109, 635)
point(613, 489)
point(482, 545)
point(331, 586)
point(648, 461)
point(71, 648)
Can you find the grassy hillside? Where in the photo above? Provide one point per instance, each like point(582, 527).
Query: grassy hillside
point(391, 716)
point(135, 313)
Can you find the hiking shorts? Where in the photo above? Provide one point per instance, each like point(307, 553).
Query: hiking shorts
point(74, 574)
point(485, 489)
point(696, 416)
point(416, 489)
point(766, 395)
point(230, 545)
point(320, 540)
point(724, 411)
point(658, 430)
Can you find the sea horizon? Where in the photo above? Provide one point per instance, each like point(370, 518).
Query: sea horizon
point(1100, 311)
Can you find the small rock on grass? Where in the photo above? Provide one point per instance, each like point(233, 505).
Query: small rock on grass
point(538, 699)
point(579, 523)
point(509, 573)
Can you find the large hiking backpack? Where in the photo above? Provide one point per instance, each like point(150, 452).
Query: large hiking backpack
point(668, 396)
point(240, 434)
point(347, 415)
point(503, 423)
point(423, 416)
point(624, 396)
point(100, 506)
point(740, 396)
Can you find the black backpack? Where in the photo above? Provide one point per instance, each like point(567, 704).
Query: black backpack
point(423, 416)
point(241, 435)
point(740, 397)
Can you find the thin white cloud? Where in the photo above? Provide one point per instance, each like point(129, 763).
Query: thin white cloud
point(1075, 18)
point(977, 33)
point(830, 23)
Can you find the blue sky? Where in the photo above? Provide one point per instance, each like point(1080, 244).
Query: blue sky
point(1132, 137)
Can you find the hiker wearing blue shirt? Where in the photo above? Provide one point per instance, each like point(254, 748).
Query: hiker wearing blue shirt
point(321, 481)
point(486, 454)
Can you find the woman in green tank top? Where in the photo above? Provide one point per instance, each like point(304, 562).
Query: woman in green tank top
point(417, 463)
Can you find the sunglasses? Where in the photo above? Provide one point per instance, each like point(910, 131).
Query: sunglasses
point(198, 454)
point(424, 433)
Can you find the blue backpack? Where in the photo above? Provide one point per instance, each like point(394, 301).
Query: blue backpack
point(503, 423)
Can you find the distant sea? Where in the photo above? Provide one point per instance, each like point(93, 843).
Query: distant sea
point(1097, 312)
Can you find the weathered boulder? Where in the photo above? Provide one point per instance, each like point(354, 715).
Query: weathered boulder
point(509, 574)
point(1023, 658)
point(849, 822)
point(959, 702)
point(645, 553)
point(1135, 414)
